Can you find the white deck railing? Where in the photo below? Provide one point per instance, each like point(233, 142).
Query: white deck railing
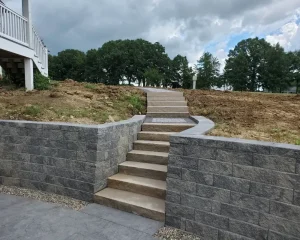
point(39, 48)
point(13, 26)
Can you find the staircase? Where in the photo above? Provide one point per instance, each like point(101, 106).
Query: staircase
point(167, 105)
point(140, 185)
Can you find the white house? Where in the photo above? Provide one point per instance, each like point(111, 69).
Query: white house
point(21, 49)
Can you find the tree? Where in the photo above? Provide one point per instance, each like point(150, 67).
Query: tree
point(275, 73)
point(153, 78)
point(69, 63)
point(246, 64)
point(294, 58)
point(208, 68)
point(93, 69)
point(182, 73)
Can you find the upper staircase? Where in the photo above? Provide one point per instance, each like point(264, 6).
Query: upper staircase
point(167, 105)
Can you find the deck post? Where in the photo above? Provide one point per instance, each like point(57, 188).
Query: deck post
point(28, 67)
point(26, 9)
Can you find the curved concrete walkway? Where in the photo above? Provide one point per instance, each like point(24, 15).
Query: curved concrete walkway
point(23, 218)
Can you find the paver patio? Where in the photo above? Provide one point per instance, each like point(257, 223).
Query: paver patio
point(23, 218)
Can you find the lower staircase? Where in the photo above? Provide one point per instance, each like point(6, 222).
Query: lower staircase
point(140, 185)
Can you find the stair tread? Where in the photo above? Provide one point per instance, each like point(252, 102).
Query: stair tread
point(141, 152)
point(147, 182)
point(169, 124)
point(135, 199)
point(147, 166)
point(153, 142)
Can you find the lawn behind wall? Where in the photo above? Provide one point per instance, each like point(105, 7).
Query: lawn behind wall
point(258, 116)
point(75, 102)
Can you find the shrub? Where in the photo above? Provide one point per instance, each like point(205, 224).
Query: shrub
point(32, 110)
point(137, 103)
point(41, 82)
point(90, 86)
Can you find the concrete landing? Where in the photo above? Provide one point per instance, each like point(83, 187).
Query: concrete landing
point(23, 218)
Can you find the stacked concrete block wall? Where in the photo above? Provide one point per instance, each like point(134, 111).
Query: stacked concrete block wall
point(221, 188)
point(67, 159)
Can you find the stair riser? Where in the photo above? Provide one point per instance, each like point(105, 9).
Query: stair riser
point(159, 216)
point(166, 128)
point(144, 190)
point(146, 173)
point(147, 159)
point(164, 109)
point(149, 99)
point(166, 103)
point(153, 137)
point(151, 147)
point(164, 94)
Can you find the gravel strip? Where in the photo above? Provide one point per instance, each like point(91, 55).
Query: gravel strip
point(45, 197)
point(168, 233)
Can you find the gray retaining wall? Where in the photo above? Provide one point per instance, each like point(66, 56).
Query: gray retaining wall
point(68, 159)
point(222, 188)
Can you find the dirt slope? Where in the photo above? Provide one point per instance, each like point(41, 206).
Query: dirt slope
point(71, 101)
point(260, 116)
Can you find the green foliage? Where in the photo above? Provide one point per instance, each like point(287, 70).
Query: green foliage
point(90, 86)
point(183, 74)
point(253, 65)
point(41, 82)
point(137, 103)
point(297, 142)
point(208, 68)
point(32, 110)
point(153, 78)
point(6, 80)
point(69, 63)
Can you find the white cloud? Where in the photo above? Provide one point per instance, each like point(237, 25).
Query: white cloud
point(286, 36)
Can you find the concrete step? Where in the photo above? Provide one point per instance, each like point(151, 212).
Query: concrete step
point(165, 94)
point(147, 170)
point(168, 115)
point(167, 103)
point(155, 146)
point(168, 109)
point(165, 99)
point(138, 204)
point(148, 157)
point(140, 185)
point(166, 127)
point(155, 136)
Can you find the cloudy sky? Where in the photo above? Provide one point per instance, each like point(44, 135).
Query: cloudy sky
point(187, 27)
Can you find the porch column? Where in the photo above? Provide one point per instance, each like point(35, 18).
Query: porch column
point(26, 9)
point(28, 67)
point(194, 81)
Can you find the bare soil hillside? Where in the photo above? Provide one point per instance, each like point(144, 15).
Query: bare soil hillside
point(75, 102)
point(260, 116)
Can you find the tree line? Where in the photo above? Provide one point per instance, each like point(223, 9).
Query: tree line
point(253, 65)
